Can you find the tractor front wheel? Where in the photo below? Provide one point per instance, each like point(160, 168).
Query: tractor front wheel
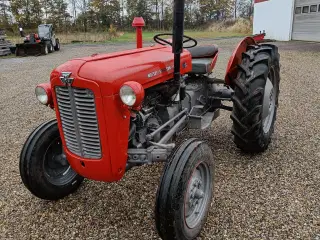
point(50, 48)
point(57, 46)
point(185, 192)
point(256, 98)
point(44, 168)
point(45, 49)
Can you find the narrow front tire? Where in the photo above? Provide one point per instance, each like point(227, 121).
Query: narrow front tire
point(57, 46)
point(185, 192)
point(44, 168)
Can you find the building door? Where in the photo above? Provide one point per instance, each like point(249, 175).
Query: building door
point(306, 20)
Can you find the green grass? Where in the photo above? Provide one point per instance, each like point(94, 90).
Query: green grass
point(9, 56)
point(128, 36)
point(148, 36)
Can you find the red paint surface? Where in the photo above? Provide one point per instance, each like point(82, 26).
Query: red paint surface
point(138, 23)
point(259, 1)
point(259, 37)
point(214, 61)
point(104, 75)
point(111, 71)
point(236, 58)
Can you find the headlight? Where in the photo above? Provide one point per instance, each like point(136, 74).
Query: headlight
point(132, 94)
point(128, 96)
point(43, 94)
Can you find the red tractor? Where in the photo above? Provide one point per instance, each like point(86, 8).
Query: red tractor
point(122, 110)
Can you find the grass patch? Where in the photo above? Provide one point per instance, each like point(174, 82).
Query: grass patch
point(127, 36)
point(148, 36)
point(9, 56)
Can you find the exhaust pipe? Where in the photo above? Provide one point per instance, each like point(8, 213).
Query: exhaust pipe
point(178, 30)
point(21, 31)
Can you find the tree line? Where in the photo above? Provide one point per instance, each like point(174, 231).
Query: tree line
point(99, 15)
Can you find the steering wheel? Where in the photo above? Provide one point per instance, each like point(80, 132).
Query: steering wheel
point(158, 39)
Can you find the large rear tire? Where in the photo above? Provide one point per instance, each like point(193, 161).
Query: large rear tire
point(44, 168)
point(185, 192)
point(256, 98)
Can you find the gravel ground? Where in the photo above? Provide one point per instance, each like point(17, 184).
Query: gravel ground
point(274, 195)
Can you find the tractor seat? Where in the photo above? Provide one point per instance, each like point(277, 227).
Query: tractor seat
point(202, 57)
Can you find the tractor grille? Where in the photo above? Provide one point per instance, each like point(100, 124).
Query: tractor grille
point(79, 121)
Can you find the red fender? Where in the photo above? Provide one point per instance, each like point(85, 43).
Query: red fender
point(236, 58)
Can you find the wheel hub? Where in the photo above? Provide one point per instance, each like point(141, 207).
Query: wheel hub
point(56, 167)
point(197, 196)
point(269, 105)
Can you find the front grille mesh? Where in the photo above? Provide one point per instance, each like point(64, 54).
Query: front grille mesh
point(79, 121)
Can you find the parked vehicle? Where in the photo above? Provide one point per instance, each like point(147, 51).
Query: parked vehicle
point(122, 110)
point(41, 43)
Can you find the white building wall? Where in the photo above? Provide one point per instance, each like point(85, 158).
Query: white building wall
point(275, 17)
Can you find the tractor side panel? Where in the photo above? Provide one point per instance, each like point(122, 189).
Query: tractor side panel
point(147, 66)
point(236, 58)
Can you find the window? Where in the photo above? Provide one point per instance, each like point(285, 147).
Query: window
point(313, 8)
point(298, 10)
point(319, 8)
point(305, 9)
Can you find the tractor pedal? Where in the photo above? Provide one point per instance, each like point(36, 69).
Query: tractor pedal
point(201, 118)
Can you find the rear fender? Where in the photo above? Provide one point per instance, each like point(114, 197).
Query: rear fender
point(236, 58)
point(214, 61)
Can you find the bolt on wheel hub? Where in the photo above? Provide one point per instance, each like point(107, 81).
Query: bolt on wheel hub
point(197, 196)
point(269, 106)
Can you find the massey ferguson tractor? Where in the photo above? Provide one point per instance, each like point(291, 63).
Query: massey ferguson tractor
point(123, 110)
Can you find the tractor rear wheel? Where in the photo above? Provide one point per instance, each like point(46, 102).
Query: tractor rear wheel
point(44, 168)
point(256, 98)
point(185, 192)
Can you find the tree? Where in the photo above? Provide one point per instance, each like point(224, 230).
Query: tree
point(245, 8)
point(5, 19)
point(27, 12)
point(140, 8)
point(58, 14)
point(106, 12)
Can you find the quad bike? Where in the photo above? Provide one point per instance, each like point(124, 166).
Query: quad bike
point(122, 110)
point(41, 43)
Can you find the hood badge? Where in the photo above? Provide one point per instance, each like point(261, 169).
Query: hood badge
point(65, 78)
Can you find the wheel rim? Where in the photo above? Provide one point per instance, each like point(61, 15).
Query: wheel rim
point(46, 50)
point(269, 105)
point(197, 196)
point(56, 167)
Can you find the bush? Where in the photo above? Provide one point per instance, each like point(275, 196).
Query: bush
point(112, 31)
point(240, 25)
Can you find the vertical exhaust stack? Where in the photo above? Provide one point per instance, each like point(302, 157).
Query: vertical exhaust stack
point(178, 30)
point(21, 31)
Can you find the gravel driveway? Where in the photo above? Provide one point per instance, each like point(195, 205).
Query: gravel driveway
point(274, 195)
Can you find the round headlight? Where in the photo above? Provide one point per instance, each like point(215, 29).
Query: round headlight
point(128, 96)
point(132, 94)
point(42, 95)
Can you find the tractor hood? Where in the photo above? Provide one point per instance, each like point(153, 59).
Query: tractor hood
point(148, 66)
